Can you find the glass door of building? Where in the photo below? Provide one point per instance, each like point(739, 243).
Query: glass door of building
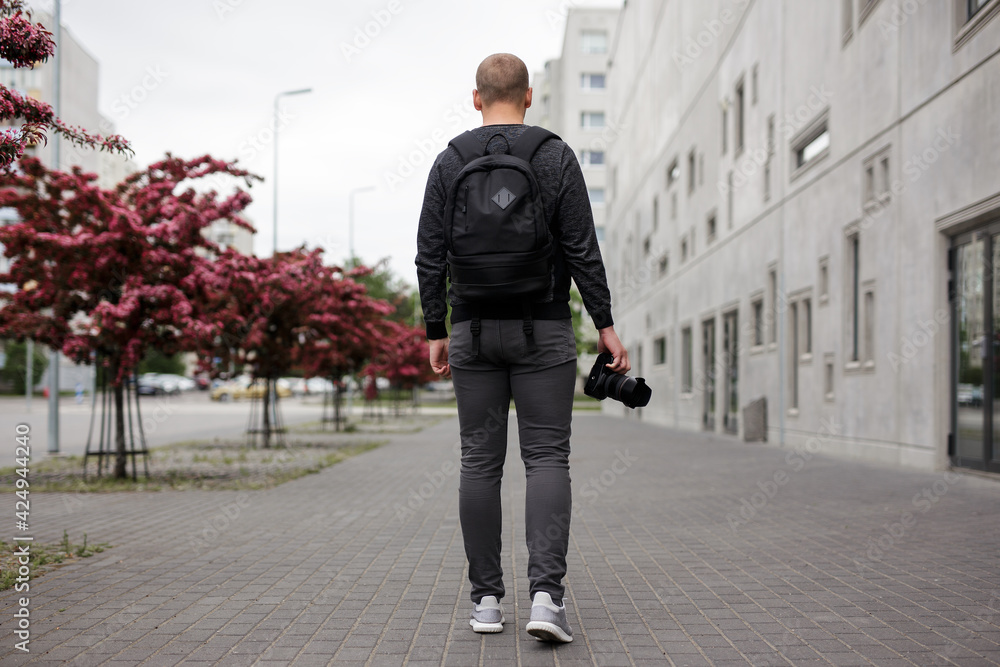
point(975, 301)
point(708, 366)
point(731, 343)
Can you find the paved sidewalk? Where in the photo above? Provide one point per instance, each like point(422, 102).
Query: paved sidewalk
point(686, 549)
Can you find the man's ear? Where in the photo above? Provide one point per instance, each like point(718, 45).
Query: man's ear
point(527, 99)
point(477, 101)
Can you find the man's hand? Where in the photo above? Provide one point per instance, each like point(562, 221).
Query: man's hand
point(439, 357)
point(608, 342)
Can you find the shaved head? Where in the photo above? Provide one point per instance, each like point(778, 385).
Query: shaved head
point(502, 78)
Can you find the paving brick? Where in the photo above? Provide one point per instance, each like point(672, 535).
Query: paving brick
point(322, 569)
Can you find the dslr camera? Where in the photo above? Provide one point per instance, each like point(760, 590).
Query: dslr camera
point(604, 383)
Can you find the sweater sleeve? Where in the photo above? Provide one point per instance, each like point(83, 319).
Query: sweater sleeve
point(432, 257)
point(578, 238)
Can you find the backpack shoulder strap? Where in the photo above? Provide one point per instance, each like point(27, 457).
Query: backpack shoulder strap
point(530, 141)
point(468, 146)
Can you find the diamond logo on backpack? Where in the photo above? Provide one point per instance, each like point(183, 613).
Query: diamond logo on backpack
point(504, 198)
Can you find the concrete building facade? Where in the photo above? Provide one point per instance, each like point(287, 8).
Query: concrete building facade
point(800, 210)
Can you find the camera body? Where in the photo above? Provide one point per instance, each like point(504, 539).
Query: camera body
point(604, 383)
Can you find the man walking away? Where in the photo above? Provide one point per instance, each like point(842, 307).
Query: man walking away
point(506, 217)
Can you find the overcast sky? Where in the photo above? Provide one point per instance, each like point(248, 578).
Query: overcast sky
point(200, 76)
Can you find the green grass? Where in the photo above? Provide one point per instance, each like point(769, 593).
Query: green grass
point(195, 465)
point(43, 557)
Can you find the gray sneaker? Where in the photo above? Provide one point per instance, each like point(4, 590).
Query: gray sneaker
point(548, 622)
point(487, 616)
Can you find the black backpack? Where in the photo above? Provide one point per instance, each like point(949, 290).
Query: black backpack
point(499, 244)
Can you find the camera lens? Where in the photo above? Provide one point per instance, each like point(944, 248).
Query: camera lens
point(633, 392)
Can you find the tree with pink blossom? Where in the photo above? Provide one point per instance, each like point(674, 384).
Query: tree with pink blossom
point(24, 44)
point(109, 274)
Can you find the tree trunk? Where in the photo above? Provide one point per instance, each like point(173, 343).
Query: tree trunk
point(267, 413)
point(121, 459)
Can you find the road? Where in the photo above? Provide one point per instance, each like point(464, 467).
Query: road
point(190, 416)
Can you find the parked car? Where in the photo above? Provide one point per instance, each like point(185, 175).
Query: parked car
point(241, 389)
point(182, 383)
point(157, 384)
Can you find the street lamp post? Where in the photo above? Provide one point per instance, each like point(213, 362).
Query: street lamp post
point(277, 98)
point(53, 443)
point(350, 218)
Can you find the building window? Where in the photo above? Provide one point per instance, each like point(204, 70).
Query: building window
point(811, 145)
point(710, 229)
point(793, 350)
point(656, 213)
point(865, 8)
point(740, 115)
point(847, 20)
point(673, 205)
point(596, 196)
point(692, 169)
point(592, 120)
point(660, 351)
point(812, 149)
point(853, 296)
point(971, 16)
point(701, 169)
point(686, 361)
point(770, 135)
point(772, 281)
point(753, 83)
point(590, 82)
point(807, 327)
point(646, 246)
point(594, 41)
point(729, 198)
point(592, 158)
point(973, 7)
point(824, 280)
point(828, 378)
point(876, 178)
point(673, 173)
point(684, 249)
point(664, 264)
point(758, 322)
point(869, 330)
point(725, 125)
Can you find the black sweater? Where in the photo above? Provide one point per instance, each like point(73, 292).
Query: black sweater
point(567, 210)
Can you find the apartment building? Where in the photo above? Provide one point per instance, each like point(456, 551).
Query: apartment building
point(570, 97)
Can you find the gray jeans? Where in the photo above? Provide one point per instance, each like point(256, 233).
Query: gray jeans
point(542, 385)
